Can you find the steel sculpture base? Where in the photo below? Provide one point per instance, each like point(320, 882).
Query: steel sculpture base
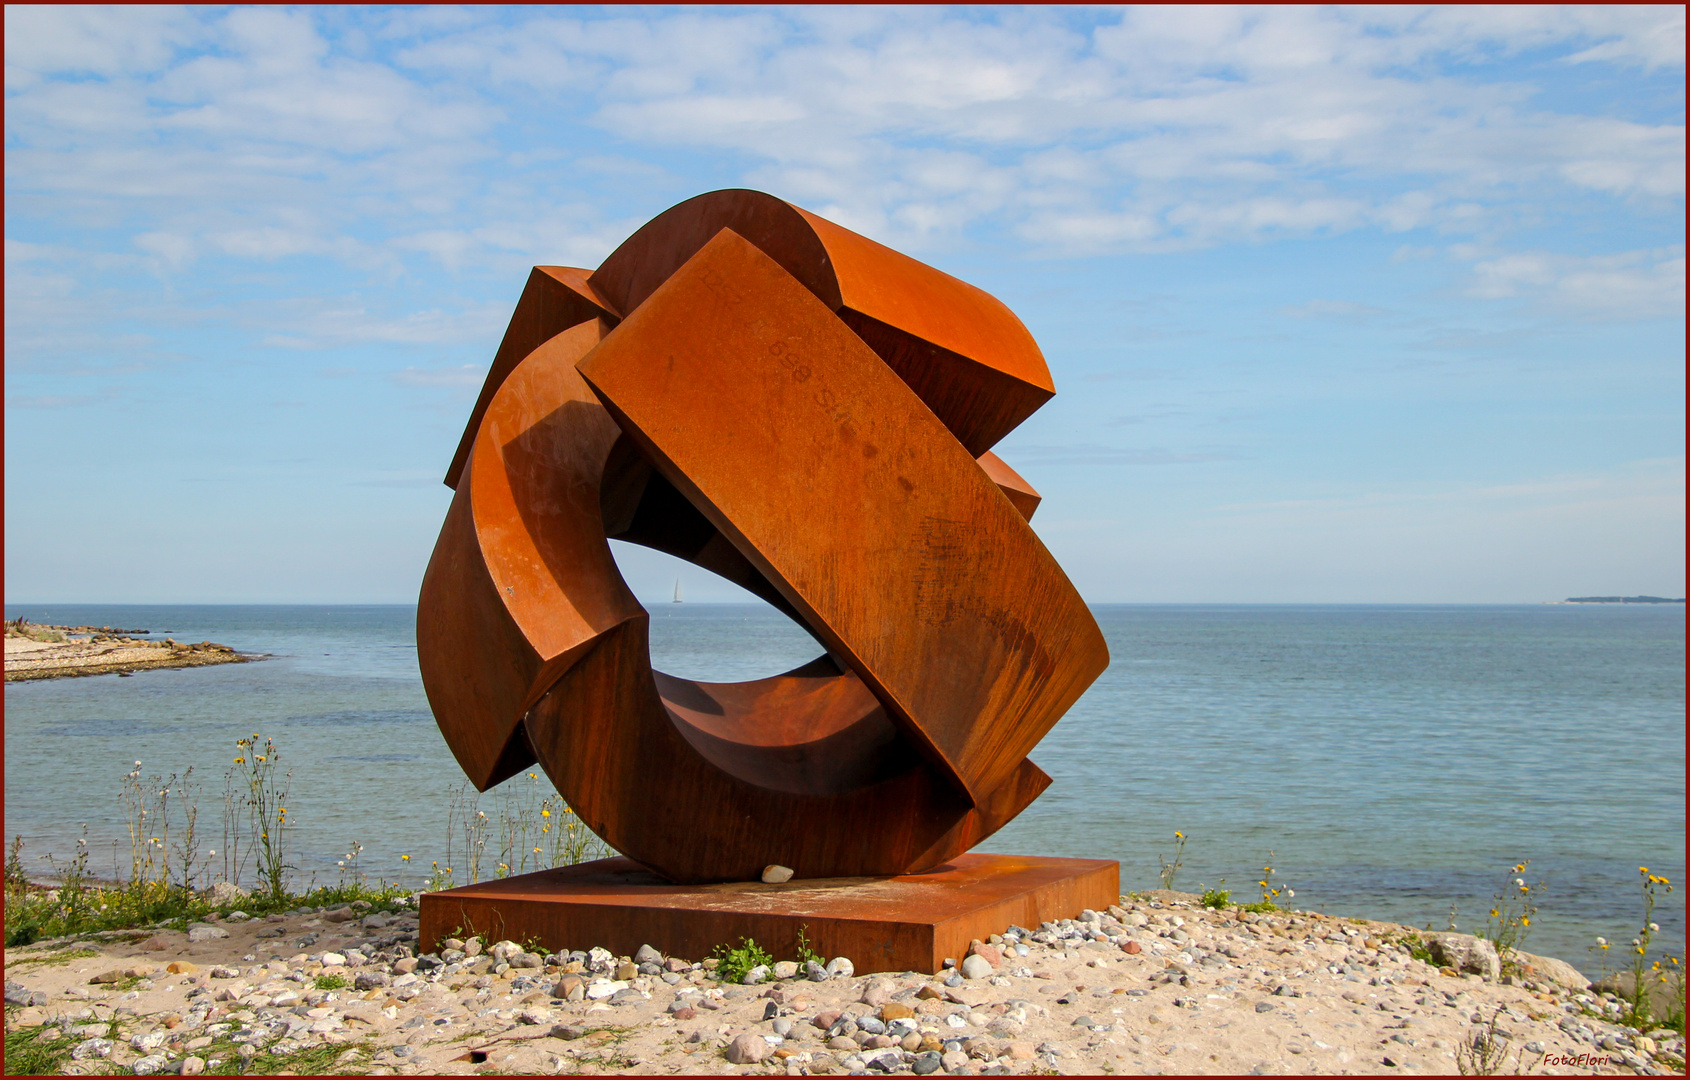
point(908, 923)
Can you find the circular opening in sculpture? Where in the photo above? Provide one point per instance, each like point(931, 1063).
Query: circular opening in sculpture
point(694, 613)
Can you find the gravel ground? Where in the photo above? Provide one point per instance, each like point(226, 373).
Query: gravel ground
point(1151, 986)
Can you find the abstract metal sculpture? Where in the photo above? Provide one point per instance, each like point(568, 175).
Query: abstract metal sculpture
point(810, 415)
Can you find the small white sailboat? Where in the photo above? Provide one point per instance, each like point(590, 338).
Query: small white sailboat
point(677, 592)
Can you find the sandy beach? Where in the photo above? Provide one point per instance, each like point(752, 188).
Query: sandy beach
point(31, 654)
point(1155, 985)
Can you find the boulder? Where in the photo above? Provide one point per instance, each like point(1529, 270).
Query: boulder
point(1466, 953)
point(225, 892)
point(1549, 969)
point(1662, 1001)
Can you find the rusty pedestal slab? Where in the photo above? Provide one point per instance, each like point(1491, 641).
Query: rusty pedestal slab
point(907, 923)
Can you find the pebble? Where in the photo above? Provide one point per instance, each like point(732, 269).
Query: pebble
point(975, 967)
point(748, 1050)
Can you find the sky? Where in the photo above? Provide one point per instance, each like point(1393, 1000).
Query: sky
point(1343, 305)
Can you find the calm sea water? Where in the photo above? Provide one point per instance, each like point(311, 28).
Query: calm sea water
point(1394, 759)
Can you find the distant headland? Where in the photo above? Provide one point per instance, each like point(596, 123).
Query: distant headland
point(36, 651)
point(1621, 600)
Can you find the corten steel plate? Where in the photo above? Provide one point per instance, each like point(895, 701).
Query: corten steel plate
point(907, 923)
point(809, 415)
point(845, 490)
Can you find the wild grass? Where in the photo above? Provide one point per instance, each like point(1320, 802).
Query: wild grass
point(22, 627)
point(168, 877)
point(28, 1054)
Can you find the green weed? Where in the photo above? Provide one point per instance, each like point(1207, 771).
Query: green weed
point(735, 962)
point(806, 954)
point(1216, 898)
point(1418, 949)
point(1512, 910)
point(1269, 892)
point(1170, 870)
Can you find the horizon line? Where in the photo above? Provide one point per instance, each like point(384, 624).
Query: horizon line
point(665, 603)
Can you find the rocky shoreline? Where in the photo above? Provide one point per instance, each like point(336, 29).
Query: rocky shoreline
point(1157, 984)
point(35, 651)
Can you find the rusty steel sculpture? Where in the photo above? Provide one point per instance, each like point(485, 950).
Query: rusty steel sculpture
point(810, 415)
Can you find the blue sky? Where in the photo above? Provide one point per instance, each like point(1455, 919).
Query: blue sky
point(1343, 305)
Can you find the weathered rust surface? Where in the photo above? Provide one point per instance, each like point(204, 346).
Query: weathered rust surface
point(555, 299)
point(905, 923)
point(851, 498)
point(959, 348)
point(809, 415)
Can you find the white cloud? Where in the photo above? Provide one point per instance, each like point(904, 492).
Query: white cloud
point(466, 377)
point(1170, 127)
point(51, 39)
point(1633, 283)
point(1095, 454)
point(1345, 310)
point(330, 323)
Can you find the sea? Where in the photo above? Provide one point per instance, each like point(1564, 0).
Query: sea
point(1392, 761)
